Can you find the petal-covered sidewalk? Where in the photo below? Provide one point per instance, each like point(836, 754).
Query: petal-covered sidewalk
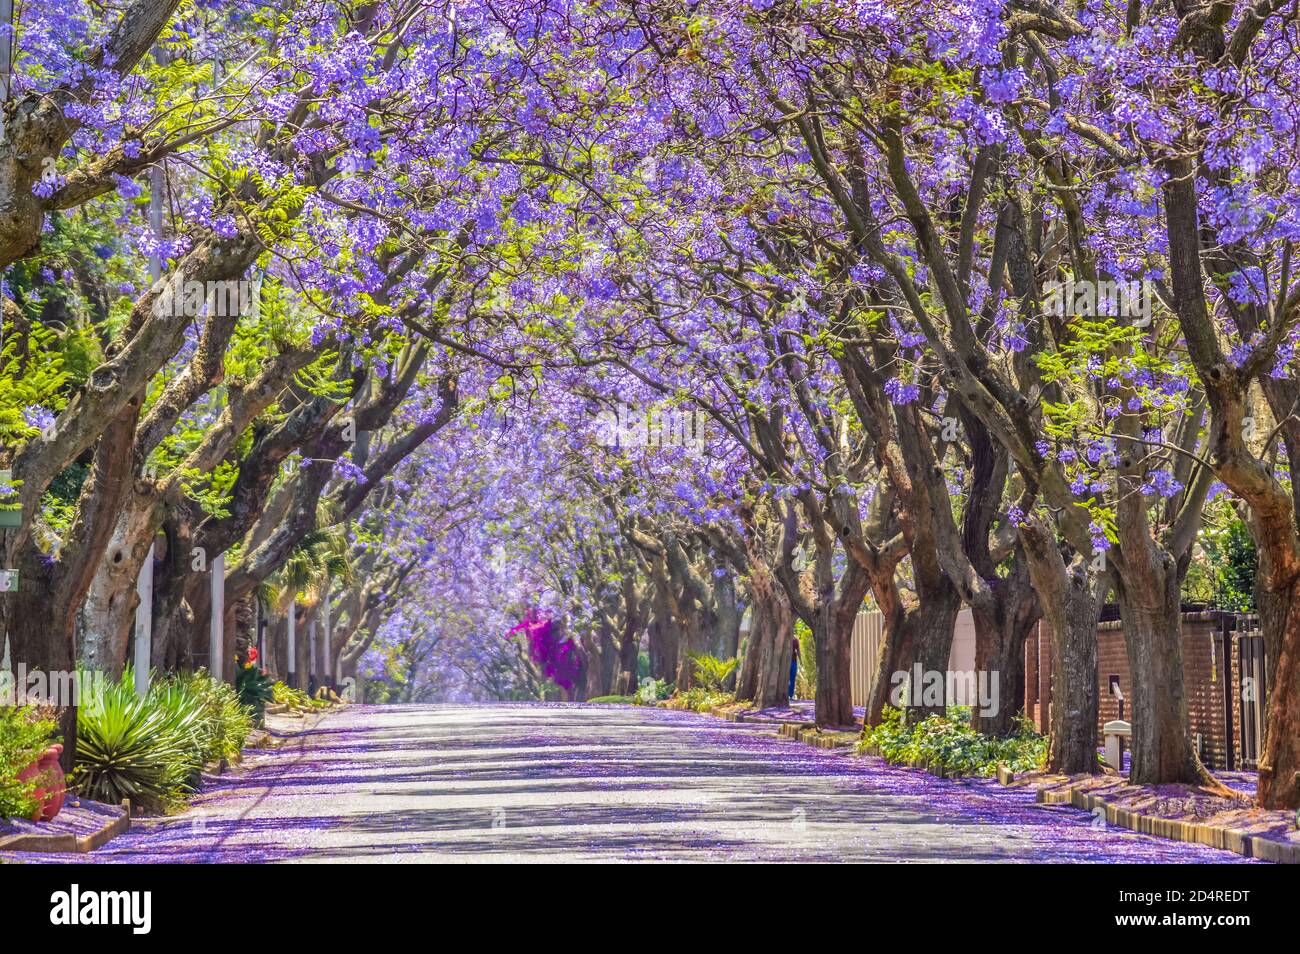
point(558, 782)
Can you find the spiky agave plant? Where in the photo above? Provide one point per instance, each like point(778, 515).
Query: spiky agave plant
point(138, 747)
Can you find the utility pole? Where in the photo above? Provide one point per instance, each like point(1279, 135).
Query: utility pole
point(144, 582)
point(217, 622)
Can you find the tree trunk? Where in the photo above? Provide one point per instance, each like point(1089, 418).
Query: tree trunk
point(895, 647)
point(726, 625)
point(277, 639)
point(1000, 633)
point(1162, 748)
point(759, 632)
point(608, 674)
point(40, 619)
point(302, 646)
point(1279, 760)
point(690, 644)
point(1071, 601)
point(1000, 656)
point(772, 681)
point(832, 631)
point(663, 633)
point(629, 653)
point(177, 589)
point(1072, 747)
point(107, 614)
point(930, 625)
point(41, 638)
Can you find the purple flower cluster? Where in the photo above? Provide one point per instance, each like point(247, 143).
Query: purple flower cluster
point(559, 658)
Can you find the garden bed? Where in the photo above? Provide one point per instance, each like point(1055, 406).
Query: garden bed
point(82, 826)
point(1180, 812)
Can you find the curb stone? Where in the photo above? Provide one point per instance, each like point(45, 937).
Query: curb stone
point(68, 843)
point(1227, 839)
point(808, 734)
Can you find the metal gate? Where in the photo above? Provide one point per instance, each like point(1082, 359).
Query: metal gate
point(1251, 690)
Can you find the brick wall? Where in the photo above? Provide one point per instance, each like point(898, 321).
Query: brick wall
point(1204, 672)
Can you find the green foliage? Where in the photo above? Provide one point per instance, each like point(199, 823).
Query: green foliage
point(130, 747)
point(950, 742)
point(228, 719)
point(700, 699)
point(31, 375)
point(282, 695)
point(711, 673)
point(254, 689)
point(23, 737)
point(1233, 564)
point(616, 700)
point(651, 691)
point(151, 749)
point(805, 682)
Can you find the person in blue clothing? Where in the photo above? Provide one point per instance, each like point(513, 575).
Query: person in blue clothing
point(794, 666)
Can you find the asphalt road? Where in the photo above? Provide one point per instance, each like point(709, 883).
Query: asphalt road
point(602, 783)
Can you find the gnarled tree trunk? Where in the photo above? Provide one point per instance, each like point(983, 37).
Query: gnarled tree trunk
point(1152, 620)
point(1071, 601)
point(1000, 632)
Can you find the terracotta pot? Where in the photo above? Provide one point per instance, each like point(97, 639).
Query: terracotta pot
point(51, 789)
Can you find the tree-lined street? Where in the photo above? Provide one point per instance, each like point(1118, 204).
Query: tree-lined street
point(500, 389)
point(576, 783)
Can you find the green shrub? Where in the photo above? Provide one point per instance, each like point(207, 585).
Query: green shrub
point(254, 689)
point(805, 681)
point(294, 698)
point(153, 749)
point(228, 720)
point(652, 691)
point(711, 673)
point(23, 737)
point(949, 741)
point(699, 699)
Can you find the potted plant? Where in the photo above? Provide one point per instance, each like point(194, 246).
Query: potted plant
point(51, 785)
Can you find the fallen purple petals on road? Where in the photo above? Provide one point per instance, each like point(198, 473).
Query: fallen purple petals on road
point(571, 782)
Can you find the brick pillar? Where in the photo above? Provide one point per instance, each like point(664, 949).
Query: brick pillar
point(1045, 677)
point(1031, 674)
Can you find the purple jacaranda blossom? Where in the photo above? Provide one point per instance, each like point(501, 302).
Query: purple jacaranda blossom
point(38, 418)
point(900, 392)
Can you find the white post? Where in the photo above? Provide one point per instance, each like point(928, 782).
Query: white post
point(293, 648)
point(144, 625)
point(6, 51)
point(144, 582)
point(326, 645)
point(217, 628)
point(313, 664)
